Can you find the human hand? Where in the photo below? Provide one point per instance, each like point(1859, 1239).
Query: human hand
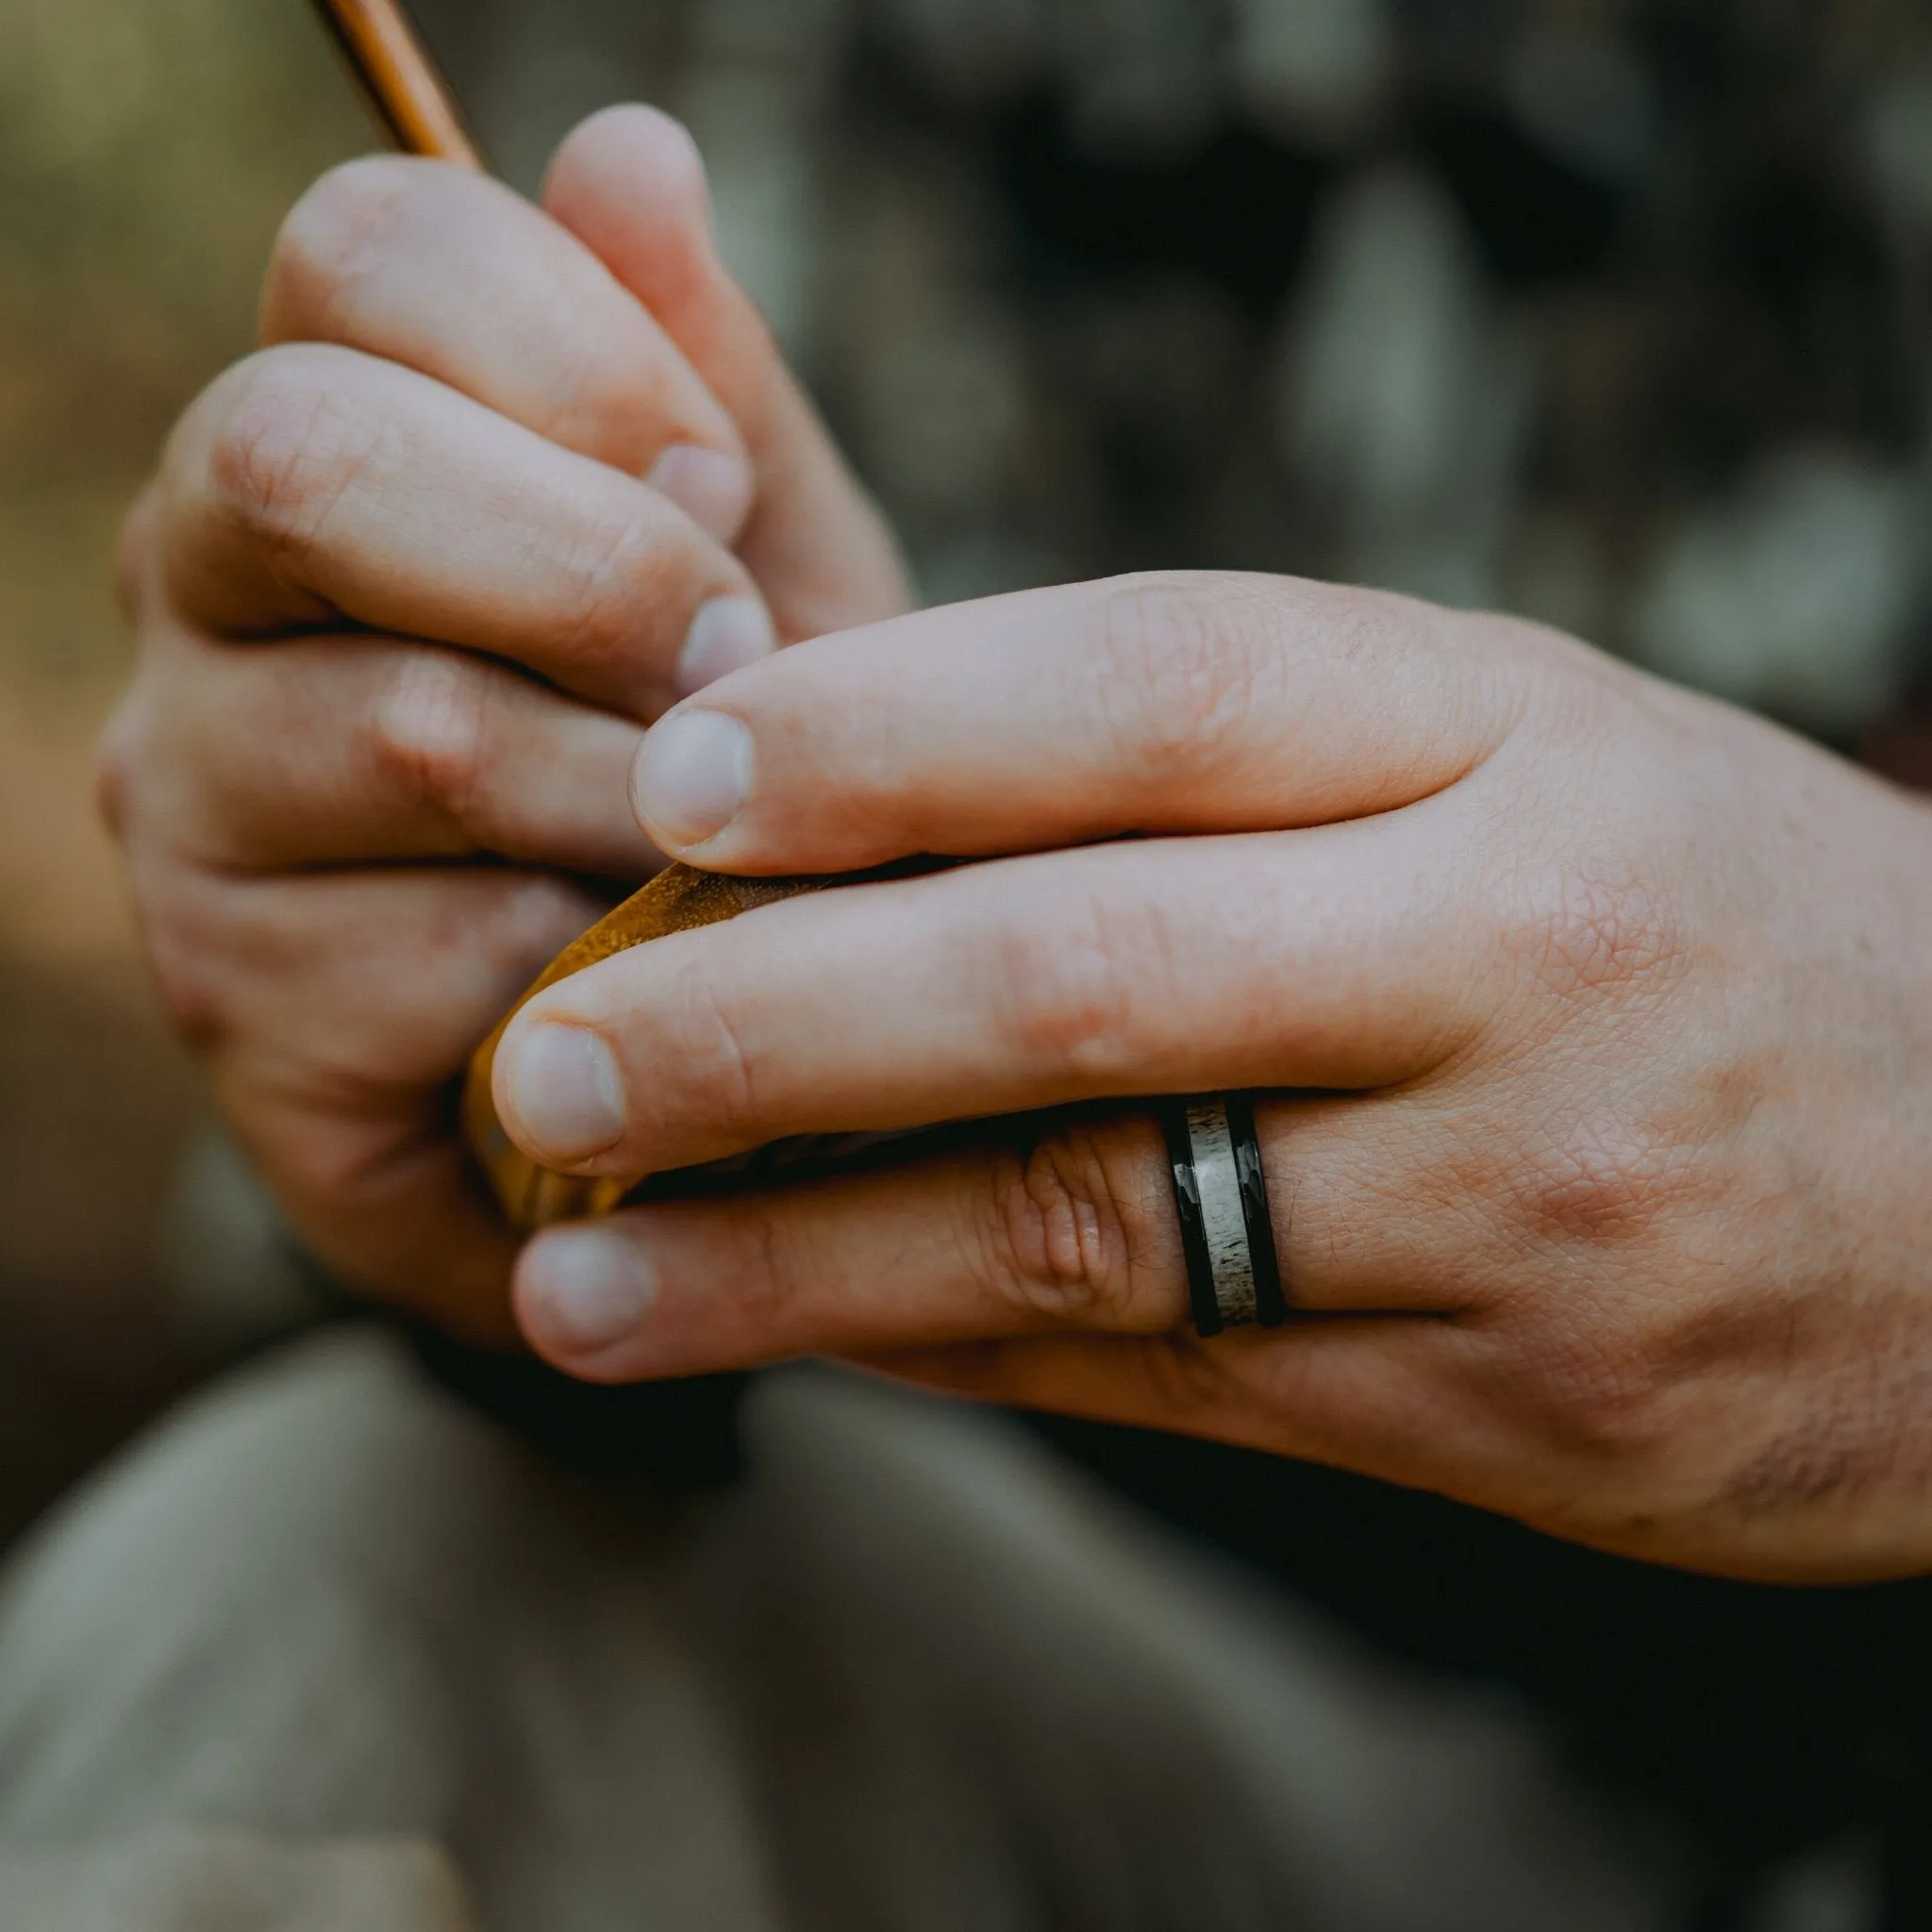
point(1606, 1013)
point(405, 607)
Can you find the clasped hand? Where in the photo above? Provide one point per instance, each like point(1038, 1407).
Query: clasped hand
point(1591, 1019)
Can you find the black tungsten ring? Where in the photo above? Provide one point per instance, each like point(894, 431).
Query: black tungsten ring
point(1227, 1234)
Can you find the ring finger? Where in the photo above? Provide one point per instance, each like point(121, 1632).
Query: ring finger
point(1062, 1224)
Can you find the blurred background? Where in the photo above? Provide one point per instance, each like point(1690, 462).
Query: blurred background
point(1611, 311)
point(148, 149)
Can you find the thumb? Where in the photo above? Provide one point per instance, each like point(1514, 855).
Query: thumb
point(629, 184)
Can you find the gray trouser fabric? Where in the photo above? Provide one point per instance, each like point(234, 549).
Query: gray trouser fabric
point(330, 1650)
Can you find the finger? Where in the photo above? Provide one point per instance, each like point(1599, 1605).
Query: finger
point(1341, 956)
point(337, 749)
point(404, 1217)
point(452, 274)
point(334, 1011)
point(358, 987)
point(1046, 1276)
point(1070, 1233)
point(629, 183)
point(1071, 1230)
point(1166, 703)
point(313, 484)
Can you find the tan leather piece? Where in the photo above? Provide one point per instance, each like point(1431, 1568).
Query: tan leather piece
point(677, 900)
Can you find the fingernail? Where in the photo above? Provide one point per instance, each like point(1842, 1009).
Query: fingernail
point(591, 1286)
point(713, 488)
point(727, 633)
point(564, 1091)
point(691, 777)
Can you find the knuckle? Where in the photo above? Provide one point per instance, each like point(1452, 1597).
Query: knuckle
point(346, 1160)
point(473, 938)
point(182, 932)
point(337, 233)
point(1594, 1389)
point(118, 758)
point(328, 1164)
point(429, 734)
point(770, 1281)
point(1074, 993)
point(623, 568)
point(286, 450)
point(1073, 1233)
point(530, 917)
point(704, 1061)
point(1177, 682)
point(1601, 1181)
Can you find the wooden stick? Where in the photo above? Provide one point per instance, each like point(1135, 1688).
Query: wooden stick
point(404, 85)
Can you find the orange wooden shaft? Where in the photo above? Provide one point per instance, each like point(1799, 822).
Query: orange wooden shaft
point(404, 85)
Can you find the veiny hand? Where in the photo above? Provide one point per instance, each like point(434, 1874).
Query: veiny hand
point(408, 586)
point(1604, 1015)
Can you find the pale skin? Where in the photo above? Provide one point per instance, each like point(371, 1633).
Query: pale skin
point(426, 484)
point(1594, 1019)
